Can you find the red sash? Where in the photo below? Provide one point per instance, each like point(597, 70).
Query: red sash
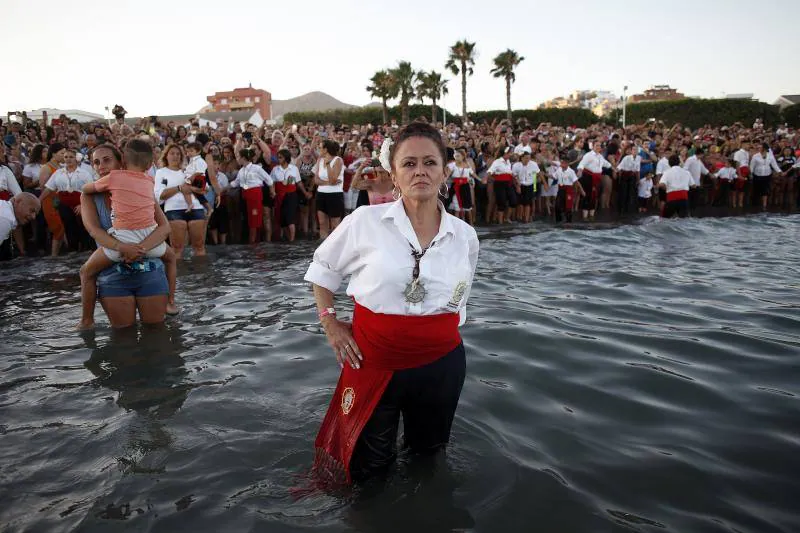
point(70, 199)
point(597, 178)
point(457, 184)
point(281, 191)
point(5, 195)
point(677, 195)
point(255, 207)
point(387, 343)
point(504, 177)
point(569, 196)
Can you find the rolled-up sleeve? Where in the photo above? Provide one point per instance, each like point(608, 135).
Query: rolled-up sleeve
point(337, 257)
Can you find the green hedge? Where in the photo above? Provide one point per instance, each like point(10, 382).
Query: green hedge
point(373, 115)
point(697, 112)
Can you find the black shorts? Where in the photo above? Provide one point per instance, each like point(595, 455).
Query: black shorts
point(188, 216)
point(662, 194)
point(289, 209)
point(331, 204)
point(427, 397)
point(513, 197)
point(528, 195)
point(761, 185)
point(644, 202)
point(501, 189)
point(220, 221)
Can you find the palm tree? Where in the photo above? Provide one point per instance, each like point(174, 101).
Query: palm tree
point(383, 87)
point(461, 60)
point(404, 77)
point(431, 85)
point(504, 65)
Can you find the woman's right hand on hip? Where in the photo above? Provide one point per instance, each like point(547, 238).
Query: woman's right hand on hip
point(340, 337)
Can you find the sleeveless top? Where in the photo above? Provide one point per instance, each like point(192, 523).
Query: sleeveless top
point(323, 175)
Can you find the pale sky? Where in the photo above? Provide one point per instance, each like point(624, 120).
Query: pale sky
point(164, 57)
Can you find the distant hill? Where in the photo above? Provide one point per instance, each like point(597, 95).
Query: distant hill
point(313, 101)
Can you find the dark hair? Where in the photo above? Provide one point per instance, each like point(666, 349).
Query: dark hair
point(332, 147)
point(55, 148)
point(699, 151)
point(202, 138)
point(196, 146)
point(674, 160)
point(419, 129)
point(139, 154)
point(500, 152)
point(36, 154)
point(248, 154)
point(765, 146)
point(286, 155)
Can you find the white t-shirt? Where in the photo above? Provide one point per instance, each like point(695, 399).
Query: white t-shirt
point(196, 166)
point(8, 220)
point(455, 172)
point(662, 166)
point(322, 172)
point(726, 173)
point(8, 181)
point(373, 247)
point(566, 177)
point(500, 166)
point(593, 162)
point(287, 176)
point(676, 179)
point(630, 163)
point(65, 181)
point(526, 174)
point(645, 187)
point(166, 178)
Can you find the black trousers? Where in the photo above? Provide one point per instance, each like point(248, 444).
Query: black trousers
point(679, 208)
point(427, 397)
point(625, 194)
point(694, 198)
point(77, 236)
point(561, 206)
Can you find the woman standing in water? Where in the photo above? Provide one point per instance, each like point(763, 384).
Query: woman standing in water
point(403, 352)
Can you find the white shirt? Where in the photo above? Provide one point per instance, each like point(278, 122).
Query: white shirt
point(31, 171)
point(8, 181)
point(288, 176)
point(630, 163)
point(593, 162)
point(762, 166)
point(676, 179)
point(526, 174)
point(166, 178)
point(726, 173)
point(566, 177)
point(742, 157)
point(223, 181)
point(373, 247)
point(251, 176)
point(696, 168)
point(196, 166)
point(322, 173)
point(64, 181)
point(456, 172)
point(662, 166)
point(500, 166)
point(645, 187)
point(522, 149)
point(8, 220)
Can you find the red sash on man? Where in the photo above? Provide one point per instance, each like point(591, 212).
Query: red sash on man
point(457, 184)
point(742, 173)
point(504, 177)
point(387, 343)
point(597, 178)
point(5, 195)
point(677, 195)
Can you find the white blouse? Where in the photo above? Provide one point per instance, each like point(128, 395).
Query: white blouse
point(64, 181)
point(251, 176)
point(373, 246)
point(287, 176)
point(500, 166)
point(8, 181)
point(166, 178)
point(630, 163)
point(322, 172)
point(594, 163)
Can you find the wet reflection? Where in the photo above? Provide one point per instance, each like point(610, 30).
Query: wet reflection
point(143, 366)
point(420, 497)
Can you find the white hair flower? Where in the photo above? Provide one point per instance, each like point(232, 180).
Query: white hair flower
point(385, 159)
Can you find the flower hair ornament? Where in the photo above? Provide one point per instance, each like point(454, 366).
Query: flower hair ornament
point(385, 158)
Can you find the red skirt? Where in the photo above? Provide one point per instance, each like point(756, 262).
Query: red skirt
point(387, 343)
point(255, 209)
point(742, 173)
point(70, 199)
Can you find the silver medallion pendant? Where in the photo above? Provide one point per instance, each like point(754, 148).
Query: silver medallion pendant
point(415, 292)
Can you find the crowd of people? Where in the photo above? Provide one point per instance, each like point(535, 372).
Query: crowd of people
point(231, 183)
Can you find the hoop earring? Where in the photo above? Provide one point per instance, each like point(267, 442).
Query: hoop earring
point(396, 193)
point(446, 190)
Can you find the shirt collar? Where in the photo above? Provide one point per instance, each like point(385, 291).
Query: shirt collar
point(397, 213)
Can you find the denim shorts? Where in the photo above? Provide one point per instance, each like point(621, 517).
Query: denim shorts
point(180, 214)
point(139, 280)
